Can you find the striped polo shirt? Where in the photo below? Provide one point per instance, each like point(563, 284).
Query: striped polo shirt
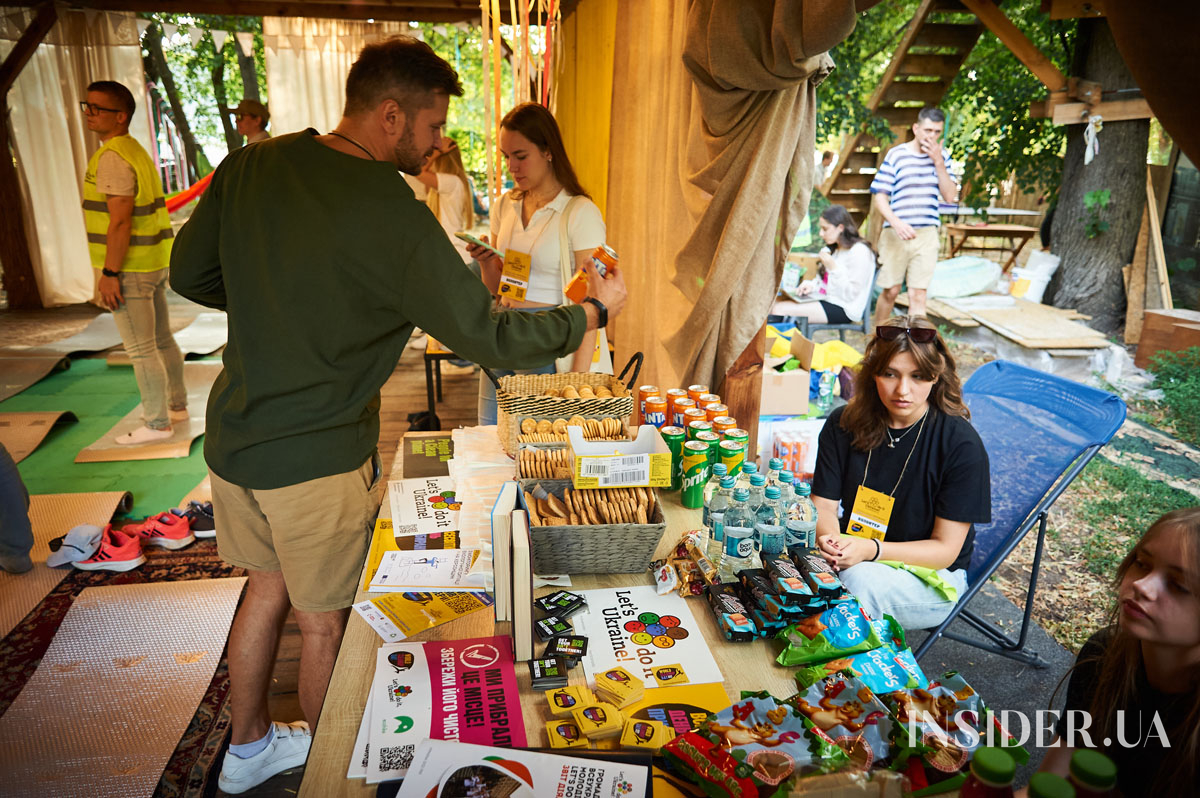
point(910, 178)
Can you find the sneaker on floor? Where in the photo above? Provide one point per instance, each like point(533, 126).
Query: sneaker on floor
point(118, 552)
point(288, 749)
point(200, 516)
point(416, 340)
point(144, 434)
point(167, 530)
point(15, 563)
point(179, 415)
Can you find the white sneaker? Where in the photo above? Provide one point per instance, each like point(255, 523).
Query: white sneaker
point(144, 434)
point(179, 415)
point(288, 749)
point(416, 340)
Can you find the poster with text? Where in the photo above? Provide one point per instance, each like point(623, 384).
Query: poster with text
point(638, 629)
point(424, 505)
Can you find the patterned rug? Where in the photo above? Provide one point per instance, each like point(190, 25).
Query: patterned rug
point(187, 773)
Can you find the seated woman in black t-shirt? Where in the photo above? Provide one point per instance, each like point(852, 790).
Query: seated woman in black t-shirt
point(904, 439)
point(1145, 662)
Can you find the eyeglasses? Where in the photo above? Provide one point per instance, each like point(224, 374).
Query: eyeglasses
point(918, 335)
point(91, 109)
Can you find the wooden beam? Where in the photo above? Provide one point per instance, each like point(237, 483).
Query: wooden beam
point(1073, 9)
point(1156, 244)
point(1135, 294)
point(19, 277)
point(408, 11)
point(1115, 111)
point(1016, 41)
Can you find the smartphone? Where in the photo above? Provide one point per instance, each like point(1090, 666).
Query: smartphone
point(470, 239)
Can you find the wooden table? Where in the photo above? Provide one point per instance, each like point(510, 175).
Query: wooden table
point(745, 665)
point(1015, 235)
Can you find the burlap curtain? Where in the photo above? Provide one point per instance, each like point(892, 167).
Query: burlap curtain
point(745, 153)
point(51, 141)
point(307, 63)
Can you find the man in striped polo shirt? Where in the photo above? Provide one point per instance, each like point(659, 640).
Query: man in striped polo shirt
point(907, 187)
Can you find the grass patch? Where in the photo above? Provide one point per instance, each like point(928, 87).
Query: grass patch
point(1178, 375)
point(1124, 506)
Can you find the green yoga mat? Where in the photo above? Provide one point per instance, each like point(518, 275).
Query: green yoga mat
point(99, 396)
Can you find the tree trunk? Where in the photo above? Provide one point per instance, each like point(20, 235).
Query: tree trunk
point(233, 139)
point(160, 72)
point(249, 74)
point(1090, 276)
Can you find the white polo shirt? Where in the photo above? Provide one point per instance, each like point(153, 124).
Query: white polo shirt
point(541, 239)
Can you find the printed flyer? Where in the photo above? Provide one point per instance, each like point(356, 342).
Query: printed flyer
point(397, 616)
point(454, 770)
point(639, 630)
point(424, 505)
point(440, 570)
point(385, 539)
point(462, 690)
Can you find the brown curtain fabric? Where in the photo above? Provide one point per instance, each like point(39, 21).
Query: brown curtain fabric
point(743, 161)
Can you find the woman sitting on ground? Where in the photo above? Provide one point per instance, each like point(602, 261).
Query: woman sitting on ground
point(905, 438)
point(1145, 664)
point(841, 293)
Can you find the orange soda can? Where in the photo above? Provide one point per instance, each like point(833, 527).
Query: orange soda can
point(692, 414)
point(603, 257)
point(708, 400)
point(678, 410)
point(716, 411)
point(655, 411)
point(722, 423)
point(694, 392)
point(672, 395)
point(640, 409)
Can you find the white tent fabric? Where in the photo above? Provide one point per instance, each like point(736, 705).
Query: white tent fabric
point(307, 64)
point(52, 142)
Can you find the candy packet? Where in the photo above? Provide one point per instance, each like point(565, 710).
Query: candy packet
point(846, 710)
point(839, 631)
point(818, 573)
point(882, 669)
point(733, 617)
point(705, 763)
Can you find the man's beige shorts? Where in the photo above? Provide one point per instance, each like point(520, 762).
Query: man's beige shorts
point(316, 532)
point(911, 261)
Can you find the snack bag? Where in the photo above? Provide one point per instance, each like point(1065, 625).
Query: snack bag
point(890, 632)
point(774, 739)
point(944, 723)
point(733, 618)
point(882, 669)
point(848, 712)
point(704, 762)
point(839, 631)
point(818, 573)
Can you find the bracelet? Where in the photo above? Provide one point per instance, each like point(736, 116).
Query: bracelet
point(878, 550)
point(109, 273)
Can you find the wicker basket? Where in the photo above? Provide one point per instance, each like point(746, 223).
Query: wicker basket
point(521, 396)
point(592, 549)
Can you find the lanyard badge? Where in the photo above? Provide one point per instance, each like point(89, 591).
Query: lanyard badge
point(872, 509)
point(514, 279)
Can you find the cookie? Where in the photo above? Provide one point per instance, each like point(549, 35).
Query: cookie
point(544, 426)
point(570, 392)
point(559, 427)
point(528, 426)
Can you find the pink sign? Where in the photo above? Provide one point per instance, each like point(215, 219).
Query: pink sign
point(475, 696)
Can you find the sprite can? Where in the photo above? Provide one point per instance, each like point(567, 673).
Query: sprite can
point(695, 473)
point(737, 435)
point(733, 454)
point(713, 441)
point(674, 437)
point(696, 427)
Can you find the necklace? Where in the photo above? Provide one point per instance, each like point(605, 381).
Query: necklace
point(352, 141)
point(893, 441)
point(904, 469)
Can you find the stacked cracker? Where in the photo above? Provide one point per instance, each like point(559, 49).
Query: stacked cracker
point(555, 431)
point(592, 506)
point(544, 463)
point(585, 392)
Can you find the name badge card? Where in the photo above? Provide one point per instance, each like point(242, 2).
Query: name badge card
point(514, 279)
point(871, 513)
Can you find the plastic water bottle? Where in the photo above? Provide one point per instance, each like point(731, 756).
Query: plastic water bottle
point(716, 519)
point(786, 492)
point(719, 470)
point(768, 525)
point(738, 551)
point(801, 518)
point(749, 469)
point(825, 393)
point(774, 466)
point(758, 485)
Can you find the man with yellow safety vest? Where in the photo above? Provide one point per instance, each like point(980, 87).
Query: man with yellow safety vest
point(129, 238)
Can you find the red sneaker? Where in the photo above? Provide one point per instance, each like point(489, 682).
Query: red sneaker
point(165, 529)
point(118, 552)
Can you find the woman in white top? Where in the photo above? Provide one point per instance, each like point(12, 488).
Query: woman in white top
point(842, 293)
point(527, 226)
point(447, 192)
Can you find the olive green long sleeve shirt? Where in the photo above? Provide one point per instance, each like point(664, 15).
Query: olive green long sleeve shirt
point(324, 263)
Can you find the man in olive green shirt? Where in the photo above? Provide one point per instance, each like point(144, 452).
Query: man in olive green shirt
point(324, 260)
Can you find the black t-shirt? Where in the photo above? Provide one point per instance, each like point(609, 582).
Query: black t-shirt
point(1137, 765)
point(947, 476)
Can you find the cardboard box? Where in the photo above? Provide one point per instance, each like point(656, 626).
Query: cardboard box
point(802, 349)
point(784, 393)
point(641, 463)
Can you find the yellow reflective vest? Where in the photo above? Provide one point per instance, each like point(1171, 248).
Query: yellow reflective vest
point(151, 235)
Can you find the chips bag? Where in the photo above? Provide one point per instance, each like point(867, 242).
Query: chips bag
point(882, 669)
point(845, 710)
point(839, 631)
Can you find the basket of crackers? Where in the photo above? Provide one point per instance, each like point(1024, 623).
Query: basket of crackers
point(593, 531)
point(525, 401)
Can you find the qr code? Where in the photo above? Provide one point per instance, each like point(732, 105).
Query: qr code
point(460, 602)
point(366, 760)
point(405, 529)
point(397, 757)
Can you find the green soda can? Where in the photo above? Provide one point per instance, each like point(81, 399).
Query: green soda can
point(733, 454)
point(738, 435)
point(695, 473)
point(696, 427)
point(675, 437)
point(713, 441)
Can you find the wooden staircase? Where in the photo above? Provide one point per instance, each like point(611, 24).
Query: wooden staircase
point(931, 52)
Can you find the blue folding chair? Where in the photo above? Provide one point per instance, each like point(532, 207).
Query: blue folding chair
point(1039, 431)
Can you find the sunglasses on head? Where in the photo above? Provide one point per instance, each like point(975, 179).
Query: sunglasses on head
point(918, 335)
